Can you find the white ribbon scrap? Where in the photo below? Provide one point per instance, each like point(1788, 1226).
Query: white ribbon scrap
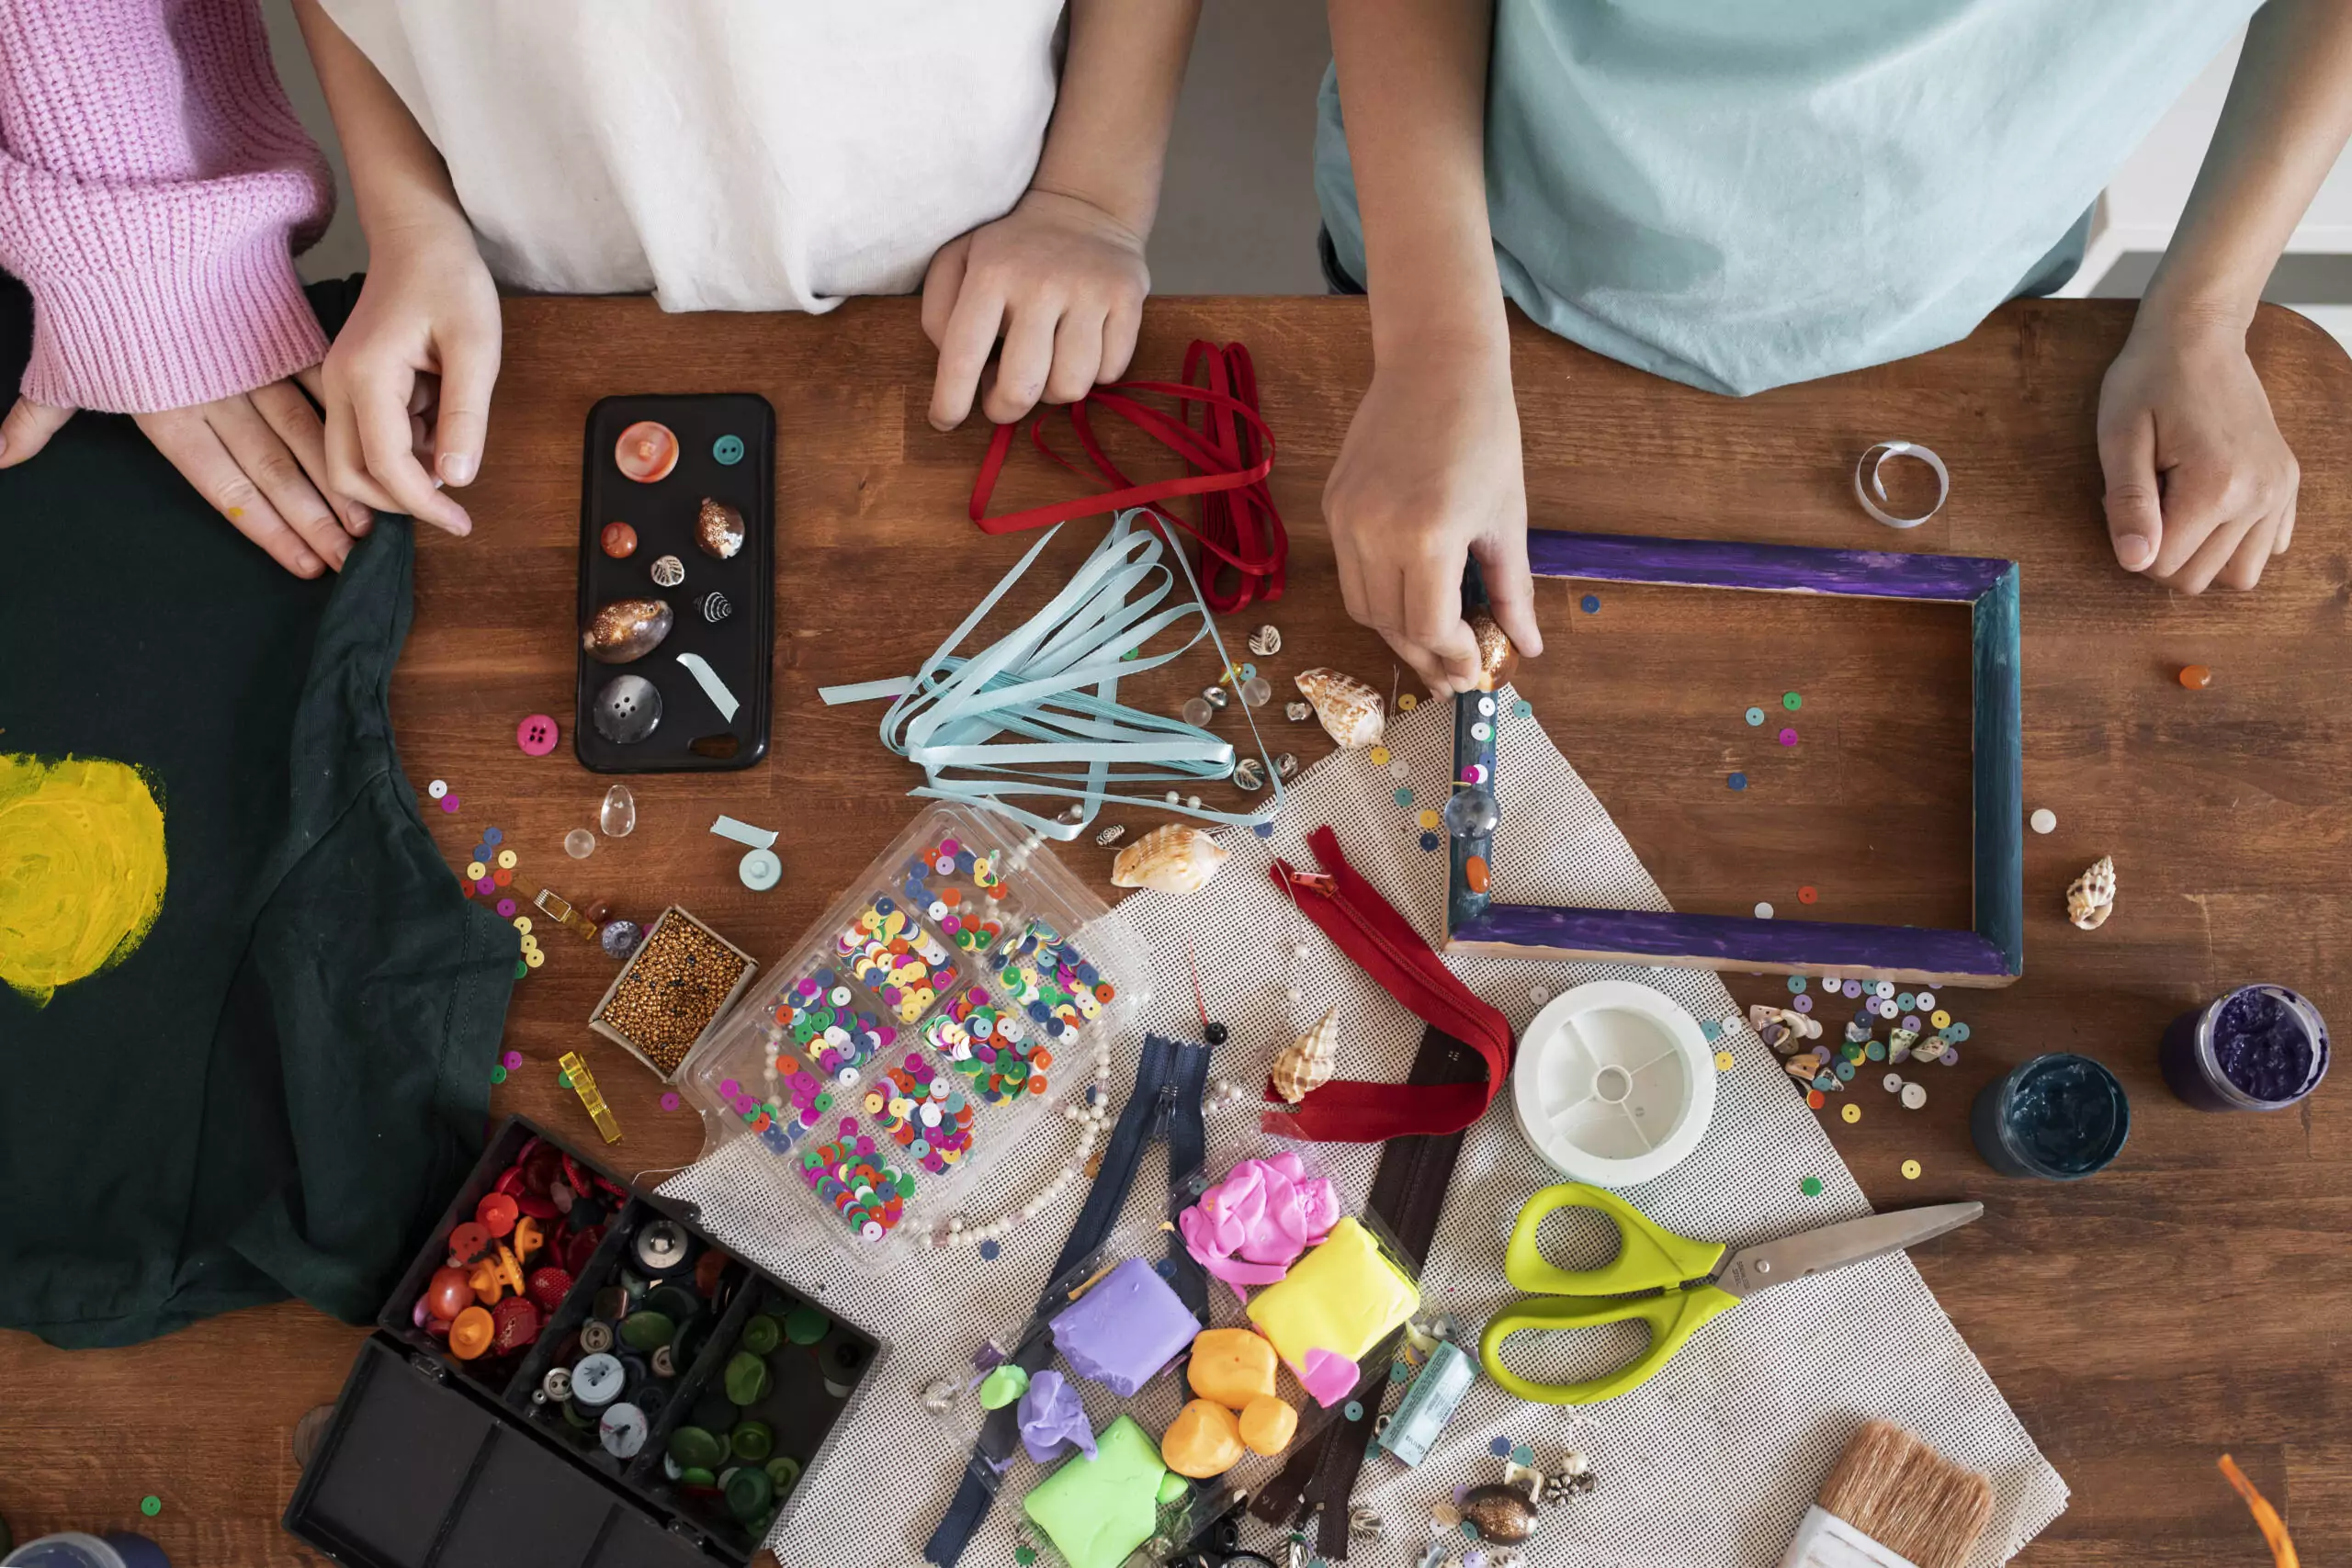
point(1870, 464)
point(1068, 744)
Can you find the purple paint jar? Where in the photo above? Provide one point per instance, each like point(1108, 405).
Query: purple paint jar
point(2257, 1048)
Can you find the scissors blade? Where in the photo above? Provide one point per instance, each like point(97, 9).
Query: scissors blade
point(1832, 1247)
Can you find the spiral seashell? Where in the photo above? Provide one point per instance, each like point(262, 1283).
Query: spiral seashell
point(1498, 658)
point(1350, 710)
point(1176, 858)
point(2091, 897)
point(1307, 1062)
point(715, 607)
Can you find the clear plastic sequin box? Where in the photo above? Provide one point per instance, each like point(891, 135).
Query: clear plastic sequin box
point(965, 991)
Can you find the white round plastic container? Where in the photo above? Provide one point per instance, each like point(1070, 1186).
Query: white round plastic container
point(1615, 1083)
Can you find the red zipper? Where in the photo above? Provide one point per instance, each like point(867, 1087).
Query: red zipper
point(1367, 1113)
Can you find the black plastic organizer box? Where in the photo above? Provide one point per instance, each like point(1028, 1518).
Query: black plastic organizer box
point(435, 1462)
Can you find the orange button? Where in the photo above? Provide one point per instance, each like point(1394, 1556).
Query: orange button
point(469, 1333)
point(497, 1213)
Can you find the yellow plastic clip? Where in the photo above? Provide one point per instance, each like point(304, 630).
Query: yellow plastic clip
point(554, 907)
point(584, 1082)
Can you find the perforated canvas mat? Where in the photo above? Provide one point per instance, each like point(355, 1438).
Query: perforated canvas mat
point(1711, 1463)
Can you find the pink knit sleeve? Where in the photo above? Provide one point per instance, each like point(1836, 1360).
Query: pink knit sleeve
point(153, 184)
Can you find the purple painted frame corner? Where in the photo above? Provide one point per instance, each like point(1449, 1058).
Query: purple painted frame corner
point(1992, 954)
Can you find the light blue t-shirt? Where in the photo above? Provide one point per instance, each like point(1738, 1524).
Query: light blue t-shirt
point(1740, 193)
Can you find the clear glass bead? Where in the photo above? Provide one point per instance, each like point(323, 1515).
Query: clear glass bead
point(618, 817)
point(1257, 691)
point(580, 843)
point(1472, 812)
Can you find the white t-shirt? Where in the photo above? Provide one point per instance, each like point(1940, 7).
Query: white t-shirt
point(722, 154)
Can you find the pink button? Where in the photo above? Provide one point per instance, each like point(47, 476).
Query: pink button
point(1788, 737)
point(450, 803)
point(537, 735)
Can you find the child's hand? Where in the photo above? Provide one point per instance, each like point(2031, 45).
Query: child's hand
point(1061, 279)
point(259, 458)
point(2200, 486)
point(408, 378)
point(1429, 474)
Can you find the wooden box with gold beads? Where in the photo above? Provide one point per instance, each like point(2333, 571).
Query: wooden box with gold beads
point(680, 981)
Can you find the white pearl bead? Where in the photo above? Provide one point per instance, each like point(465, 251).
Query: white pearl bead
point(1297, 994)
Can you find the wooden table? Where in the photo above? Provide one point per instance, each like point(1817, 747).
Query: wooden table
point(2191, 1300)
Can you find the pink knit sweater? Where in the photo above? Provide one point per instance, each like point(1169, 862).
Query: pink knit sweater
point(155, 185)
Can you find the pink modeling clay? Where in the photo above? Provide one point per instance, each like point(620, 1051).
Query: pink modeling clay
point(1249, 1228)
point(1330, 1377)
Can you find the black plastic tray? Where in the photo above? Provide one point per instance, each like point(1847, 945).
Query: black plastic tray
point(742, 648)
point(431, 1462)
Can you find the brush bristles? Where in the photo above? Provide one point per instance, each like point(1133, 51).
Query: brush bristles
point(1907, 1497)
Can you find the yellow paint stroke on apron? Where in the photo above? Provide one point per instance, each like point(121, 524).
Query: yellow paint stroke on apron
point(82, 869)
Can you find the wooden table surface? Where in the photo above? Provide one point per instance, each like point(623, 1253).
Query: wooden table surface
point(2188, 1301)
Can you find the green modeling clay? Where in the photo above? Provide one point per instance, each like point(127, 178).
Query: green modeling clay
point(1098, 1511)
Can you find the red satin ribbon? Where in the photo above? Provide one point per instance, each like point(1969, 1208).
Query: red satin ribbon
point(1370, 930)
point(1242, 545)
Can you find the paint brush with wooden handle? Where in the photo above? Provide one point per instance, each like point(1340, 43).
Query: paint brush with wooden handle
point(1892, 1502)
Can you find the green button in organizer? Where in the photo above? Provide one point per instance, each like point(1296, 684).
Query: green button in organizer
point(694, 1448)
point(749, 1493)
point(647, 1331)
point(747, 1378)
point(783, 1472)
point(752, 1441)
point(762, 1335)
point(695, 1476)
point(807, 1324)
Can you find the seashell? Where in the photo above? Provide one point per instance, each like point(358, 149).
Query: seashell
point(2091, 897)
point(1502, 1514)
point(1307, 1062)
point(627, 629)
point(1804, 1069)
point(1176, 858)
point(715, 607)
point(1899, 1042)
point(1287, 766)
point(1498, 658)
point(1782, 1029)
point(718, 529)
point(1266, 641)
point(1249, 776)
point(1112, 834)
point(667, 572)
point(1298, 713)
point(1350, 709)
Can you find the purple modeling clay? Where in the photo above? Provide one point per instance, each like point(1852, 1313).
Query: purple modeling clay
point(1126, 1329)
point(1052, 1419)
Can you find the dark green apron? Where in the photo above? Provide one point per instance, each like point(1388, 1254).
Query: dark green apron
point(276, 1090)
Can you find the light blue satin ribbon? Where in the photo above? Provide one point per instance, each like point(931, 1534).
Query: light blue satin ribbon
point(1075, 745)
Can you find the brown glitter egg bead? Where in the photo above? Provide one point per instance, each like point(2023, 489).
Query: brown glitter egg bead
point(618, 540)
point(1497, 658)
point(627, 629)
point(718, 529)
point(2196, 677)
point(1503, 1515)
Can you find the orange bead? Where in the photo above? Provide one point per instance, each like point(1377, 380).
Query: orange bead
point(2196, 677)
point(1473, 872)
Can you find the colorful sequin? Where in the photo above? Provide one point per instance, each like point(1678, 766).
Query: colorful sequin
point(956, 888)
point(990, 1044)
point(818, 1015)
point(889, 952)
point(923, 1112)
point(1053, 983)
point(853, 1174)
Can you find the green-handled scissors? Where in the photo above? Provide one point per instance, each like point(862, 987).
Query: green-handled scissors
point(1670, 1282)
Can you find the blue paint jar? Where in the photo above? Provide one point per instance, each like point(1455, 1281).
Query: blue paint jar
point(2059, 1118)
point(2256, 1048)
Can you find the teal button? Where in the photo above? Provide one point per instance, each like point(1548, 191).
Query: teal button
point(728, 449)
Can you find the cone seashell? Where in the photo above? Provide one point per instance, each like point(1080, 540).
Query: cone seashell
point(1805, 1067)
point(2091, 898)
point(1177, 858)
point(1780, 1028)
point(1498, 658)
point(1307, 1062)
point(1899, 1042)
point(1350, 709)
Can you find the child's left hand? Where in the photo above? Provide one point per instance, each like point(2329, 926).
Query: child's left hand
point(2200, 486)
point(1061, 281)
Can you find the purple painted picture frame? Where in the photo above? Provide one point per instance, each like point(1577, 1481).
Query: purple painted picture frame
point(1991, 954)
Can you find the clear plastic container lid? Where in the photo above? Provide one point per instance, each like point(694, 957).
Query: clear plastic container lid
point(965, 987)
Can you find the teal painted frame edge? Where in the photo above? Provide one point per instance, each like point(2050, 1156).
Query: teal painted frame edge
point(1992, 954)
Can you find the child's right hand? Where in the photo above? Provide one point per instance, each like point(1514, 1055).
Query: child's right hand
point(408, 379)
point(1429, 475)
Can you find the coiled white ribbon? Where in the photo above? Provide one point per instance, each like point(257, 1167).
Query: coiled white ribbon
point(1073, 744)
point(1876, 459)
